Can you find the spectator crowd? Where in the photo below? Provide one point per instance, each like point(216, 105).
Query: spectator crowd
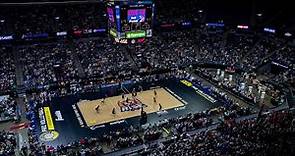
point(7, 143)
point(67, 67)
point(260, 136)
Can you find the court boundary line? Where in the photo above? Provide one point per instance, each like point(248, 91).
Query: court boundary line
point(123, 88)
point(204, 95)
point(176, 96)
point(81, 115)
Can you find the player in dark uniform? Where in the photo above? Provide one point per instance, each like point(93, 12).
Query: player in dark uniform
point(114, 111)
point(97, 108)
point(134, 93)
point(140, 88)
point(160, 107)
point(155, 92)
point(155, 99)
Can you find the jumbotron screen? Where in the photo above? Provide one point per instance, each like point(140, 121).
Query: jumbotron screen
point(136, 15)
point(130, 21)
point(111, 14)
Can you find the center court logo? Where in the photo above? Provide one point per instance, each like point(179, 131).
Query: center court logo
point(49, 136)
point(130, 105)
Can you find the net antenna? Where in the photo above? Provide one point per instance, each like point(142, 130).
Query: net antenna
point(125, 90)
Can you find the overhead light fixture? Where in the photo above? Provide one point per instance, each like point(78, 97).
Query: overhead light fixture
point(259, 15)
point(288, 34)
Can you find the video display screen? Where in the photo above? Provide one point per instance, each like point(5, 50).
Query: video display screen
point(111, 14)
point(127, 22)
point(136, 15)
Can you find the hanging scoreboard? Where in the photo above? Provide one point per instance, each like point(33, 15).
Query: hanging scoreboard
point(130, 21)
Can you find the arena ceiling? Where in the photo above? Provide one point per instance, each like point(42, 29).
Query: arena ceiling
point(277, 13)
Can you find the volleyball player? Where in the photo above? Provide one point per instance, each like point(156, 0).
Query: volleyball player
point(114, 111)
point(140, 88)
point(160, 107)
point(134, 93)
point(97, 108)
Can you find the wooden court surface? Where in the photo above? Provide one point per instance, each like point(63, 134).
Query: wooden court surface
point(92, 118)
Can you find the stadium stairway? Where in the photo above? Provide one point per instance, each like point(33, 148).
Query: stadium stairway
point(251, 50)
point(22, 140)
point(20, 88)
point(265, 59)
point(291, 98)
point(130, 57)
point(224, 39)
point(76, 61)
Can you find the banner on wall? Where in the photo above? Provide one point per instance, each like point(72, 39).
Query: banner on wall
point(6, 38)
point(62, 33)
point(269, 30)
point(215, 24)
point(34, 36)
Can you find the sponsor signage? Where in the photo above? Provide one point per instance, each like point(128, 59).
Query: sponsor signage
point(269, 30)
point(6, 38)
point(136, 34)
point(113, 33)
point(32, 36)
point(188, 23)
point(124, 41)
point(79, 118)
point(48, 118)
point(243, 27)
point(62, 33)
point(187, 83)
point(215, 24)
point(99, 30)
point(42, 120)
point(167, 25)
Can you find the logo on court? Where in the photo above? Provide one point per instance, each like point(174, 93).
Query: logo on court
point(131, 105)
point(49, 136)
